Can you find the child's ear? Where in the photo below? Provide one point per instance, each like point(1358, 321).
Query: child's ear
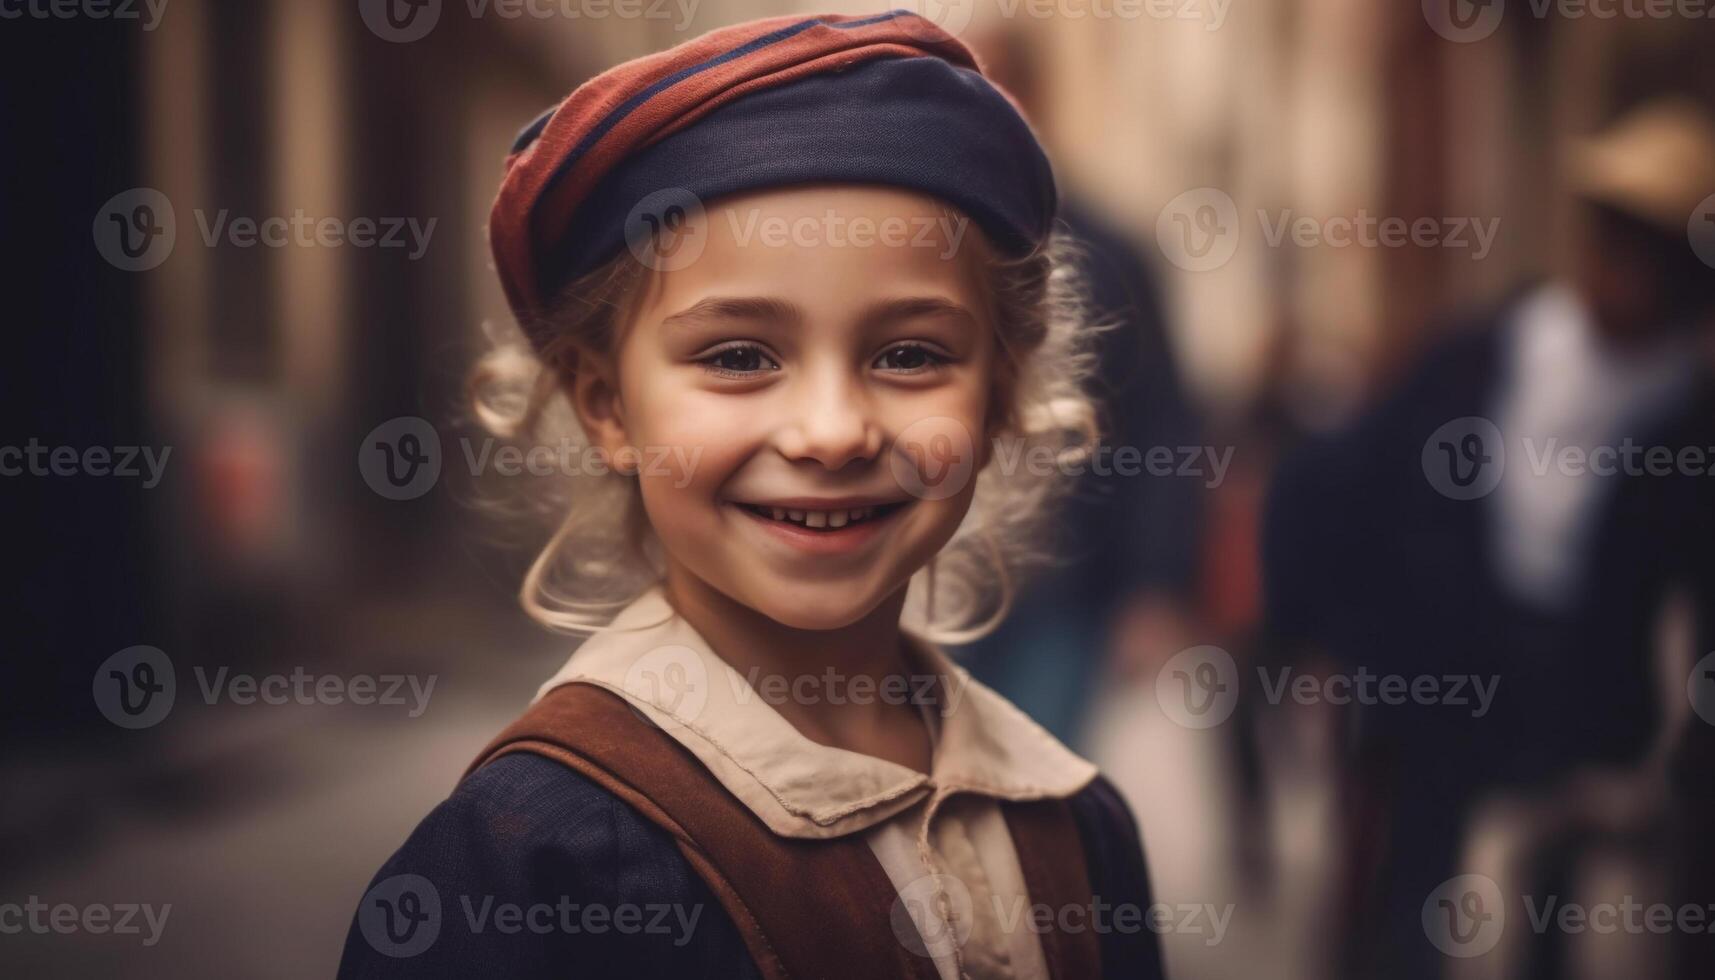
point(594, 393)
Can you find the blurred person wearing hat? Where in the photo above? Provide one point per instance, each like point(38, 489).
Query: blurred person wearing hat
point(1492, 518)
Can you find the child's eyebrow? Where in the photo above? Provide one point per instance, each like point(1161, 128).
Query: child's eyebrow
point(915, 307)
point(771, 309)
point(736, 308)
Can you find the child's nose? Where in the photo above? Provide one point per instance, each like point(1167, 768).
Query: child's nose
point(832, 422)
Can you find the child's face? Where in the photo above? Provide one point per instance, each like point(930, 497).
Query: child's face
point(826, 345)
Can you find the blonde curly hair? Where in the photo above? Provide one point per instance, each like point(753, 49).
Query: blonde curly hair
point(601, 552)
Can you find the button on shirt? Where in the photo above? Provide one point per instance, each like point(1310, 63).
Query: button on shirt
point(940, 836)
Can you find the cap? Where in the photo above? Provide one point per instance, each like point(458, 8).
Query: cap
point(886, 99)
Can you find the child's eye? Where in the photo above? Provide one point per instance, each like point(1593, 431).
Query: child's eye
point(910, 359)
point(738, 361)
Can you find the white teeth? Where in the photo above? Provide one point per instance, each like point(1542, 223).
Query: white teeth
point(817, 518)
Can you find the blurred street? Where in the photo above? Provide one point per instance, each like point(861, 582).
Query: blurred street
point(1405, 615)
point(259, 825)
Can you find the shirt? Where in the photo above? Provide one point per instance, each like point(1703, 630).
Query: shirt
point(940, 836)
point(1566, 390)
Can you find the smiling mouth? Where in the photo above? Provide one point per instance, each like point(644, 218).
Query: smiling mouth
point(825, 521)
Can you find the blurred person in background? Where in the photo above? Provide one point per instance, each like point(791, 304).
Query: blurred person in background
point(1443, 534)
point(1124, 591)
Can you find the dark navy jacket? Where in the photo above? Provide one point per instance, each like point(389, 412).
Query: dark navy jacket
point(531, 870)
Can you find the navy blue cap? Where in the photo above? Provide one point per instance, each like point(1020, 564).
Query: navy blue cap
point(921, 124)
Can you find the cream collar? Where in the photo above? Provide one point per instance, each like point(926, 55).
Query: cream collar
point(652, 657)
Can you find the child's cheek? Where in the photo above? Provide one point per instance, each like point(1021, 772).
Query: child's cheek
point(939, 442)
point(696, 440)
point(677, 484)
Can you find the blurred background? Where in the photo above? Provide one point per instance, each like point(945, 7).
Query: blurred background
point(1343, 240)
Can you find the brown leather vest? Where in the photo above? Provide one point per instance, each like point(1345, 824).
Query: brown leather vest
point(782, 892)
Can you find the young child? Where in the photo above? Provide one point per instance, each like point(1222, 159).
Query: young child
point(798, 281)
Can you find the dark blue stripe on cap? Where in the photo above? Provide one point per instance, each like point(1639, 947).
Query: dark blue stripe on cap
point(528, 134)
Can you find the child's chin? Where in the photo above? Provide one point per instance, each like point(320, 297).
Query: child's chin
point(817, 609)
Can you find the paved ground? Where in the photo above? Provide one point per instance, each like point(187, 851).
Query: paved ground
point(260, 826)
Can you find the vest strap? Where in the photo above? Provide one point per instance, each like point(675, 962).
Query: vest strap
point(849, 931)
